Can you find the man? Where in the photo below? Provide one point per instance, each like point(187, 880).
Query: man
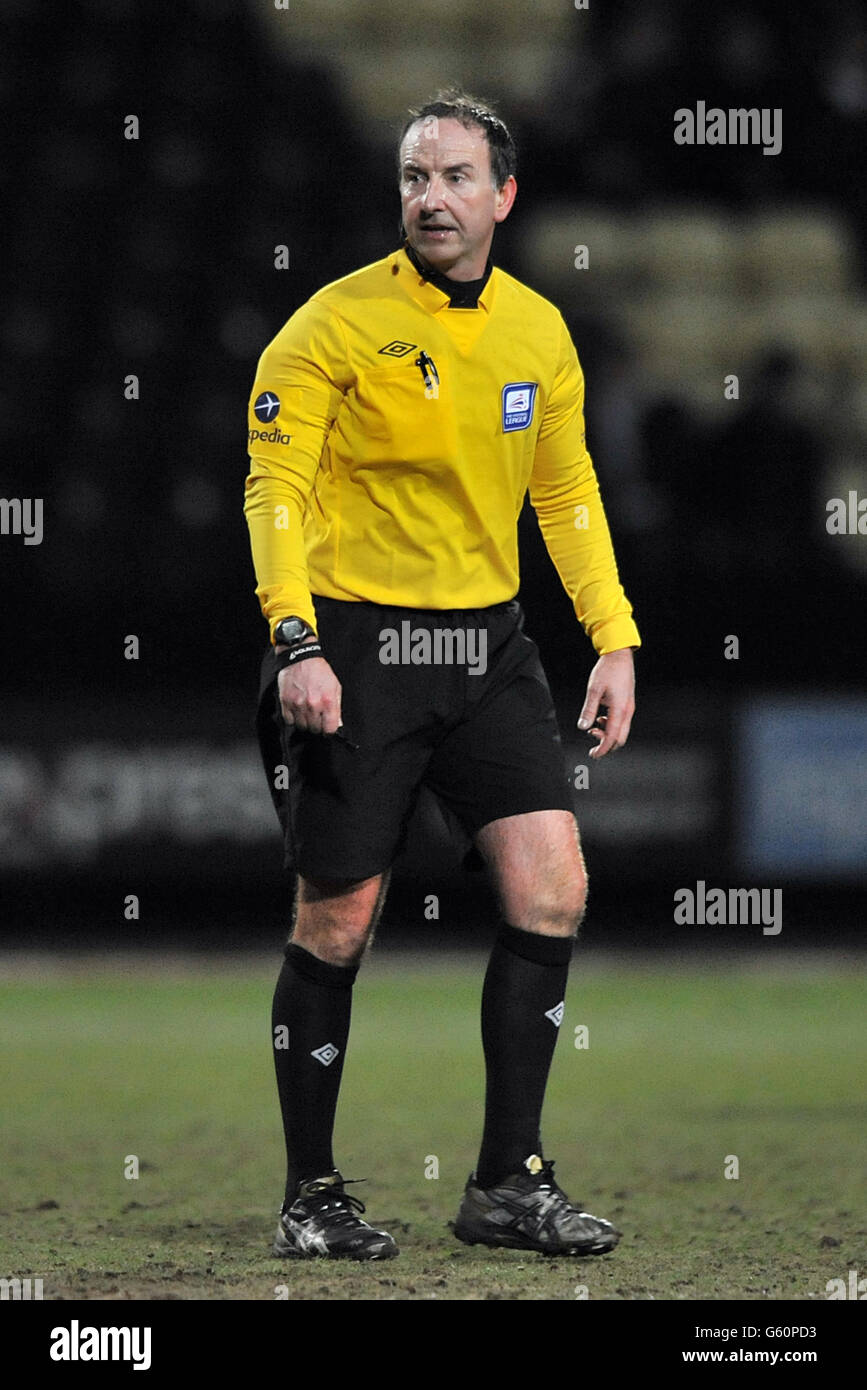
point(396, 423)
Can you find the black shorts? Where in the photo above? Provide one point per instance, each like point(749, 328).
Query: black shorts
point(474, 722)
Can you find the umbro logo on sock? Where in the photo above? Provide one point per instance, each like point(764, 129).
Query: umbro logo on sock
point(325, 1054)
point(556, 1014)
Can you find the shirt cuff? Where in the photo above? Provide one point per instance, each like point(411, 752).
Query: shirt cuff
point(614, 634)
point(301, 608)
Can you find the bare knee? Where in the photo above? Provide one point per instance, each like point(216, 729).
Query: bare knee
point(335, 921)
point(337, 943)
point(538, 868)
point(557, 913)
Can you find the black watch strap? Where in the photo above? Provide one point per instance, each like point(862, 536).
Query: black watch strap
point(293, 654)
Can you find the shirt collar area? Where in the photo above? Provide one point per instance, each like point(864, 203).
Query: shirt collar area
point(435, 291)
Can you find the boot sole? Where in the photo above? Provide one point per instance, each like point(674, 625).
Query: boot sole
point(600, 1247)
point(286, 1251)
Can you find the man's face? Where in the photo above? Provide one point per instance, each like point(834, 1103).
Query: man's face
point(450, 205)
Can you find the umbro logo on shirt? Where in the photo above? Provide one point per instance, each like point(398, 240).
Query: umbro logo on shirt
point(325, 1054)
point(396, 348)
point(556, 1014)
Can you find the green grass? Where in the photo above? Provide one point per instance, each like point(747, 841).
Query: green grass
point(686, 1065)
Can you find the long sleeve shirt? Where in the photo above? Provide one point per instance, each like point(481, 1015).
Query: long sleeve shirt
point(393, 439)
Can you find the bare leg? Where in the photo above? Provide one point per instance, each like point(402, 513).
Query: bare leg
point(538, 870)
point(336, 921)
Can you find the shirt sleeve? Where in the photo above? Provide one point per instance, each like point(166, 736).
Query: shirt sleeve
point(564, 492)
point(300, 381)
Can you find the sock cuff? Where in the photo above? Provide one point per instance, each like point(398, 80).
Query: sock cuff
point(320, 972)
point(530, 945)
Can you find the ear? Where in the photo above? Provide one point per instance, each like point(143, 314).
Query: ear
point(505, 199)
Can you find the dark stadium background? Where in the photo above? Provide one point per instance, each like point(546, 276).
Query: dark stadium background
point(155, 257)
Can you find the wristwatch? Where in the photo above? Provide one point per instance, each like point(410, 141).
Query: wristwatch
point(290, 631)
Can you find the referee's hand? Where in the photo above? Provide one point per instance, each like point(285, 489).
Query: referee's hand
point(310, 696)
point(612, 684)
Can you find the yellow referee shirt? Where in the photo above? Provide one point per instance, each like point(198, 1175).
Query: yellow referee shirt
point(392, 441)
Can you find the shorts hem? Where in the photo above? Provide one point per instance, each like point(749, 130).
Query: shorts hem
point(333, 874)
point(544, 804)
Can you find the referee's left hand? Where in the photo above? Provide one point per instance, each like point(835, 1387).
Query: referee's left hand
point(612, 684)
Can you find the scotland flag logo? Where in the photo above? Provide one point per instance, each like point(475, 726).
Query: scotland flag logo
point(266, 407)
point(519, 398)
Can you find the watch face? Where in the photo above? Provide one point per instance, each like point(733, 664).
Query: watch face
point(290, 629)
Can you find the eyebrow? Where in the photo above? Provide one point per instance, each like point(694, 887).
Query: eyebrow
point(451, 169)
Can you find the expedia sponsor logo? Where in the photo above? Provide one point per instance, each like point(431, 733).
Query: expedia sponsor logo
point(275, 436)
point(266, 406)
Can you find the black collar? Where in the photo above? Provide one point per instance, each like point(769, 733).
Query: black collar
point(463, 294)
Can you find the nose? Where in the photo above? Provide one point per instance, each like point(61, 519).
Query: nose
point(433, 195)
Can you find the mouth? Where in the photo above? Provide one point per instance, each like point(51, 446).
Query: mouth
point(436, 231)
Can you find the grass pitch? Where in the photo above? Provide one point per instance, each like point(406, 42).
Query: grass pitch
point(689, 1065)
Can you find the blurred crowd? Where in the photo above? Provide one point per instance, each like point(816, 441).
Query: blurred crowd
point(153, 258)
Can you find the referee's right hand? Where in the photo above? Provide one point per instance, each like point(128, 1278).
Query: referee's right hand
point(310, 696)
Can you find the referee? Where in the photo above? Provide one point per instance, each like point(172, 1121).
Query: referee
point(396, 423)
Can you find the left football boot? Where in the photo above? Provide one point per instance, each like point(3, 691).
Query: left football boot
point(530, 1211)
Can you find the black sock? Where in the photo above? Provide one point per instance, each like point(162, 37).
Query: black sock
point(522, 1007)
point(309, 1031)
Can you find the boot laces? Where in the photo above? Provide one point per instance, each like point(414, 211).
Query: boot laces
point(329, 1197)
point(546, 1182)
